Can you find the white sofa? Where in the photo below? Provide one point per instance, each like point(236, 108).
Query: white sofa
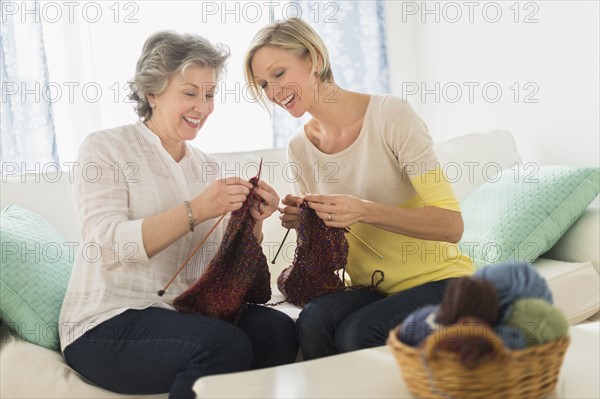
point(570, 267)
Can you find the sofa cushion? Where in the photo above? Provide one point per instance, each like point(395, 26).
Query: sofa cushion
point(520, 213)
point(575, 287)
point(34, 274)
point(30, 371)
point(580, 242)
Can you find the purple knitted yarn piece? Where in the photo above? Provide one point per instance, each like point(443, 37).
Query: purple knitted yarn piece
point(238, 273)
point(320, 253)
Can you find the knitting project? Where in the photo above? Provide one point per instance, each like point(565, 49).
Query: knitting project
point(236, 275)
point(320, 253)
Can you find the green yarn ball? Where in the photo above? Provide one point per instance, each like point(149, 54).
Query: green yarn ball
point(538, 321)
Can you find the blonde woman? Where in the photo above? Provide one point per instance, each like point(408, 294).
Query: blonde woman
point(367, 162)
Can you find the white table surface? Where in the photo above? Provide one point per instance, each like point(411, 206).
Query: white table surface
point(373, 373)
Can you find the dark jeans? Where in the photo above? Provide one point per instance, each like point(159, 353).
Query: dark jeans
point(157, 350)
point(351, 320)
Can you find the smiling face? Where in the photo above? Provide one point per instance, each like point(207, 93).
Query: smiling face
point(182, 108)
point(287, 79)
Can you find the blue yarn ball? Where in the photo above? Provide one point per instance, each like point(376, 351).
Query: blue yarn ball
point(514, 281)
point(512, 338)
point(415, 327)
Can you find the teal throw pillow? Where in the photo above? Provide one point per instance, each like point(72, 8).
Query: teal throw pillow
point(521, 213)
point(34, 274)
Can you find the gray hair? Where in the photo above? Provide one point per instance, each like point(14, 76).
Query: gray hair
point(166, 53)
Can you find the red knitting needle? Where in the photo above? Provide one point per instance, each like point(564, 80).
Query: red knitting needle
point(162, 292)
point(259, 169)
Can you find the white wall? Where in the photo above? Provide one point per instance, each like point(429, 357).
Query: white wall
point(550, 49)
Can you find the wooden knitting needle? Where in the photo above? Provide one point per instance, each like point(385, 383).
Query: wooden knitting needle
point(162, 292)
point(360, 239)
point(280, 246)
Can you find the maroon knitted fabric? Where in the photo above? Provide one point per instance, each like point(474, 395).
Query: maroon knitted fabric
point(237, 274)
point(320, 253)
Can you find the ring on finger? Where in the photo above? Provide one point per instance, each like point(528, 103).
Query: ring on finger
point(330, 217)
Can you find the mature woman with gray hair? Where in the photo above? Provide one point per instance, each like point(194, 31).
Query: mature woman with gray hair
point(146, 207)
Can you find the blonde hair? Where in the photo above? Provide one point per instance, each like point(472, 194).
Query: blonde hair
point(297, 37)
point(165, 54)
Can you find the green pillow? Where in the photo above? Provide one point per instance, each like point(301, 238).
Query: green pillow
point(521, 213)
point(34, 274)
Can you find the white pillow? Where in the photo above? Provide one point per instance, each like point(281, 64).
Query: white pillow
point(581, 243)
point(471, 159)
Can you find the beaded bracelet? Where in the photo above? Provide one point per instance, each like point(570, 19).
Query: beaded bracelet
point(190, 215)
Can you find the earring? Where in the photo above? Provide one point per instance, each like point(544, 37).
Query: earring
point(152, 105)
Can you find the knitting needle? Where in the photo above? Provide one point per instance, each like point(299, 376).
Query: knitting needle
point(259, 169)
point(254, 189)
point(280, 246)
point(360, 239)
point(162, 292)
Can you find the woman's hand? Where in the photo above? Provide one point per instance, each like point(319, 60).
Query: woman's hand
point(290, 213)
point(428, 223)
point(337, 210)
point(224, 195)
point(263, 208)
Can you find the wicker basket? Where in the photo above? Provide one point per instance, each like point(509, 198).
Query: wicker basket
point(433, 373)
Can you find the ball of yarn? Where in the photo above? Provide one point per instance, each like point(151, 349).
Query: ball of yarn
point(469, 297)
point(418, 325)
point(511, 337)
point(514, 281)
point(537, 320)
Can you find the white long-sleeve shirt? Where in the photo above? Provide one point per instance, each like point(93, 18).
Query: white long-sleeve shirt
point(124, 175)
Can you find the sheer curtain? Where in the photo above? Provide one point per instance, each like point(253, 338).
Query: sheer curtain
point(354, 34)
point(27, 124)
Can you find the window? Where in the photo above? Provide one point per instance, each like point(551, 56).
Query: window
point(89, 49)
